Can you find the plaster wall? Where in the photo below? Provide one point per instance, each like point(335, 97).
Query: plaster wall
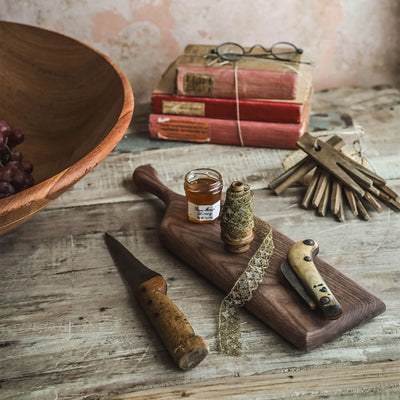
point(352, 42)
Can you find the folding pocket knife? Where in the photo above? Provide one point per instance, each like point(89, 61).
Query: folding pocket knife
point(299, 269)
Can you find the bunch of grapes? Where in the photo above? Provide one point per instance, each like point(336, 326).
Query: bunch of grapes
point(15, 172)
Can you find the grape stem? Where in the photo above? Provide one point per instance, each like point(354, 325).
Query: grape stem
point(8, 147)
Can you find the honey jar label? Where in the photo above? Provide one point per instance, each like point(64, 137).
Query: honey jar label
point(204, 212)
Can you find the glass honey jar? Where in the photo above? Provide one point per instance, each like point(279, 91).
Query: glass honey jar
point(203, 188)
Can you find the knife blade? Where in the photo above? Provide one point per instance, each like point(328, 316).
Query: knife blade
point(302, 274)
point(150, 289)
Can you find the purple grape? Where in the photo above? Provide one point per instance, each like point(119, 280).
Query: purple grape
point(15, 165)
point(4, 149)
point(6, 189)
point(27, 166)
point(4, 128)
point(15, 137)
point(28, 181)
point(15, 173)
point(16, 156)
point(18, 178)
point(5, 174)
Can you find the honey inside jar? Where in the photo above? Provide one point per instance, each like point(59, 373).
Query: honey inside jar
point(203, 188)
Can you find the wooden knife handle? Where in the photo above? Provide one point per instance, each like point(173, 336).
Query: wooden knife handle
point(186, 348)
point(145, 179)
point(301, 259)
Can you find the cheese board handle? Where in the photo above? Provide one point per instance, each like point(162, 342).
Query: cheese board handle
point(145, 178)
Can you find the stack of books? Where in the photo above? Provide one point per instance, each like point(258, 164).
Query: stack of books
point(257, 102)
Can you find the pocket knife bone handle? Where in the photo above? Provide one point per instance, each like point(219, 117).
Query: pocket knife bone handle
point(301, 260)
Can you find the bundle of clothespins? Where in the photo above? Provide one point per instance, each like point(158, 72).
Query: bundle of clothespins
point(335, 176)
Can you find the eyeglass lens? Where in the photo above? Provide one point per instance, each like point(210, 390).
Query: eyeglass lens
point(230, 51)
point(285, 51)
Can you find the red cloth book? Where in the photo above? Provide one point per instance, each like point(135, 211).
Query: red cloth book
point(201, 76)
point(224, 131)
point(165, 101)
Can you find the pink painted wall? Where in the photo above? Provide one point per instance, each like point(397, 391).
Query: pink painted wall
point(352, 42)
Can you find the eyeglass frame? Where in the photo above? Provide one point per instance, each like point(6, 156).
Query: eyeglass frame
point(268, 52)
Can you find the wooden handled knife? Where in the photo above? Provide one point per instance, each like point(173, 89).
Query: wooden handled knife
point(300, 271)
point(150, 289)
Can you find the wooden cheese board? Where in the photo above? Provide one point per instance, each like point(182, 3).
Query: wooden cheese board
point(274, 302)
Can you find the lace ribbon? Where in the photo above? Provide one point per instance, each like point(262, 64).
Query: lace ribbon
point(229, 336)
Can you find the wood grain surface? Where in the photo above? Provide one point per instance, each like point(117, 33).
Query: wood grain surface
point(343, 383)
point(69, 329)
point(274, 302)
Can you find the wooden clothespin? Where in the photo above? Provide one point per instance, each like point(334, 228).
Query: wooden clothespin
point(335, 174)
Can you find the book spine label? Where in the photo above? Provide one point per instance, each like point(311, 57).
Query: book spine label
point(179, 129)
point(195, 84)
point(183, 108)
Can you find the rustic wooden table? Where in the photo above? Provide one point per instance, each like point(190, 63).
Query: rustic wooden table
point(68, 327)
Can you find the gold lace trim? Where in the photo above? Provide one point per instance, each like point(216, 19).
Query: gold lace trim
point(229, 336)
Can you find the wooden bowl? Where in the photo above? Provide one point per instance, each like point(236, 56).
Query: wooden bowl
point(71, 102)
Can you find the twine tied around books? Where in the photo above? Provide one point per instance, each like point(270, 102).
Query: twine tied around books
point(237, 106)
point(236, 219)
point(221, 62)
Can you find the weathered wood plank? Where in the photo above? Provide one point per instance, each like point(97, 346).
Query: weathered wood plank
point(110, 181)
point(69, 327)
point(345, 382)
point(378, 111)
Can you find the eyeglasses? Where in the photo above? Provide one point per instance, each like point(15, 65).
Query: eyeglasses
point(282, 51)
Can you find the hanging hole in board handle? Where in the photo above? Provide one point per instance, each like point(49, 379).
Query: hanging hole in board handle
point(317, 147)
